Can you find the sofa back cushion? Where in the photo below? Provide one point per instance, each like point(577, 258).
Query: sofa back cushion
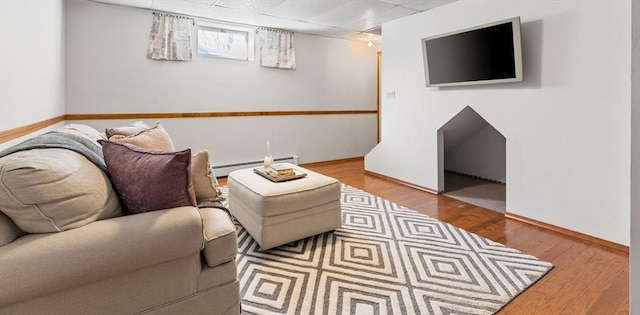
point(52, 190)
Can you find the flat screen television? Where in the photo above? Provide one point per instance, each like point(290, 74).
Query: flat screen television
point(484, 54)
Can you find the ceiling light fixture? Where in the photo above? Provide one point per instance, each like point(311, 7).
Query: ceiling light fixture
point(369, 44)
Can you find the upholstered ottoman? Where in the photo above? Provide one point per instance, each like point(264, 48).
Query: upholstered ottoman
point(280, 213)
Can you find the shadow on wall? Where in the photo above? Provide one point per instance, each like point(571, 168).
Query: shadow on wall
point(531, 34)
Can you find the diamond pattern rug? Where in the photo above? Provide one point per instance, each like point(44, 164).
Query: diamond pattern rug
point(386, 259)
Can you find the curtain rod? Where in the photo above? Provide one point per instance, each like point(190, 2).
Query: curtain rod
point(172, 14)
point(273, 30)
point(193, 21)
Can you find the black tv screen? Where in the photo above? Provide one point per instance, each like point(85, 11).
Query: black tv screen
point(488, 53)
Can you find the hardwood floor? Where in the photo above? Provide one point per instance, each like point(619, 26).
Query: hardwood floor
point(587, 278)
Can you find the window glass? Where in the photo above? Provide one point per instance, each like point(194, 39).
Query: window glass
point(225, 42)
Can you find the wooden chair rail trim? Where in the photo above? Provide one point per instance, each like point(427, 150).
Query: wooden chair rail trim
point(216, 114)
point(546, 226)
point(14, 133)
point(18, 132)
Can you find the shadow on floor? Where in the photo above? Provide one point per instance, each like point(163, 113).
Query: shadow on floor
point(482, 193)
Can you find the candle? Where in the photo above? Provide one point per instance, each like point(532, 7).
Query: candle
point(268, 160)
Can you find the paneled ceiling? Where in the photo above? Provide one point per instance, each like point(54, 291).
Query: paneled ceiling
point(358, 20)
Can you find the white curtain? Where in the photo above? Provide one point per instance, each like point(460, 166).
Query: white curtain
point(276, 49)
point(170, 37)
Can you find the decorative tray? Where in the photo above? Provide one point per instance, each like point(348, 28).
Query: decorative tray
point(279, 178)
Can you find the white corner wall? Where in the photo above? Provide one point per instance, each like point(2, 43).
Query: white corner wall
point(108, 72)
point(634, 252)
point(31, 62)
point(567, 126)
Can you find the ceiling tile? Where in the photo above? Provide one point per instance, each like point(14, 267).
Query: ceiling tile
point(308, 28)
point(209, 2)
point(181, 7)
point(231, 15)
point(146, 4)
point(423, 5)
point(351, 12)
point(254, 19)
point(255, 6)
point(376, 20)
point(337, 32)
point(303, 10)
point(395, 13)
point(362, 25)
point(290, 25)
point(397, 2)
point(365, 37)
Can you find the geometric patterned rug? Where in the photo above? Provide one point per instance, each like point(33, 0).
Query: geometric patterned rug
point(386, 259)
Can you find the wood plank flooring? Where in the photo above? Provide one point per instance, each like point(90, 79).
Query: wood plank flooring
point(587, 278)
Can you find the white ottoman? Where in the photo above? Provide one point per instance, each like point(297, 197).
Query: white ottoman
point(280, 213)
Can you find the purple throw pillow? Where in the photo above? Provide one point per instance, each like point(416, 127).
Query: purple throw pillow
point(148, 180)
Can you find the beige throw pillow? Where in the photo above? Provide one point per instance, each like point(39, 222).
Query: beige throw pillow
point(154, 138)
point(129, 130)
point(204, 182)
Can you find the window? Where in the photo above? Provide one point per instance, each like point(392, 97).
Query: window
point(224, 41)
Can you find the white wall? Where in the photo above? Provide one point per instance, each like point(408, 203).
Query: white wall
point(567, 126)
point(634, 253)
point(108, 72)
point(31, 62)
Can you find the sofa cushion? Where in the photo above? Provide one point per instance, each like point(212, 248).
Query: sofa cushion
point(148, 180)
point(52, 190)
point(204, 180)
point(9, 231)
point(126, 130)
point(154, 138)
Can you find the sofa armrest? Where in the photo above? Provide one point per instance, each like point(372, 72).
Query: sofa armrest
point(221, 242)
point(38, 264)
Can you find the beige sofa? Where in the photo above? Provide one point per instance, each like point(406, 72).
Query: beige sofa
point(67, 246)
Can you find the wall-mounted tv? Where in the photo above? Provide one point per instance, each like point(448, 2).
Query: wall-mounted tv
point(484, 54)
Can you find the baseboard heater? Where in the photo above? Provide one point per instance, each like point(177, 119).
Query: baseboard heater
point(224, 169)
